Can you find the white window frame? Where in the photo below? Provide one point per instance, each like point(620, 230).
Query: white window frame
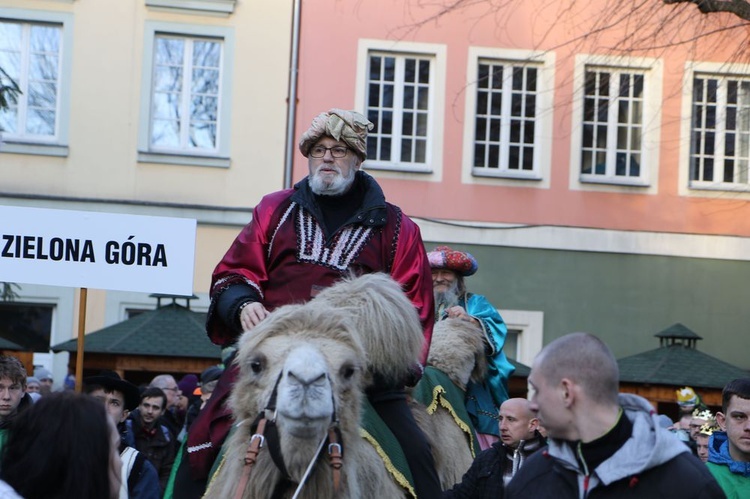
point(436, 104)
point(147, 154)
point(56, 145)
point(688, 187)
point(720, 131)
point(530, 323)
point(544, 62)
point(647, 181)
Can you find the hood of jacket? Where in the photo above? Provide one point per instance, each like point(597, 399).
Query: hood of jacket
point(649, 445)
point(718, 453)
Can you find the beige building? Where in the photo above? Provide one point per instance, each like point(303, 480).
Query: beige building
point(171, 108)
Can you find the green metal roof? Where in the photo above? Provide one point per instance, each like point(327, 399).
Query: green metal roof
point(522, 370)
point(678, 365)
point(9, 345)
point(678, 331)
point(168, 331)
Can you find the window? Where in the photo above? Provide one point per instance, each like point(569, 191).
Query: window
point(398, 102)
point(612, 124)
point(185, 99)
point(401, 89)
point(185, 112)
point(525, 333)
point(35, 52)
point(720, 131)
point(505, 119)
point(616, 124)
point(511, 343)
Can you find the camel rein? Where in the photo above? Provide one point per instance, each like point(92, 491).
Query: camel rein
point(259, 439)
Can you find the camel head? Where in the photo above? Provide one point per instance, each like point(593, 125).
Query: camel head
point(384, 319)
point(309, 356)
point(457, 349)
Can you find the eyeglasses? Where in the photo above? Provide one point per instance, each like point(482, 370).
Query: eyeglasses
point(174, 389)
point(336, 151)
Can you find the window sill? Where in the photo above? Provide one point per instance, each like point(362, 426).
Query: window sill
point(385, 167)
point(34, 148)
point(505, 175)
point(615, 182)
point(719, 186)
point(225, 7)
point(184, 160)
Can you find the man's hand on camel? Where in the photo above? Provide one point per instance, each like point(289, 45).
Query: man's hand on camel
point(251, 314)
point(458, 312)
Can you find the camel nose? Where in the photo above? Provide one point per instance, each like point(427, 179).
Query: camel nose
point(306, 368)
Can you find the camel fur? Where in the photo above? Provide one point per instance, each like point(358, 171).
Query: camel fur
point(323, 354)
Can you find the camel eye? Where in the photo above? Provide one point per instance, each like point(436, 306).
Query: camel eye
point(256, 365)
point(347, 371)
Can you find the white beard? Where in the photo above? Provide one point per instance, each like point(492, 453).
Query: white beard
point(448, 298)
point(334, 187)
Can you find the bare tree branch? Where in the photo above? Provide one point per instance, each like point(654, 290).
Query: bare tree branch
point(740, 8)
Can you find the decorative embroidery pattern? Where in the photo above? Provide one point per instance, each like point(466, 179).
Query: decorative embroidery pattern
point(339, 254)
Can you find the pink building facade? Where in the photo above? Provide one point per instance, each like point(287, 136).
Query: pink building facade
point(598, 171)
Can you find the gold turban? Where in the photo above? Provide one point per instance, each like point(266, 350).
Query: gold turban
point(349, 127)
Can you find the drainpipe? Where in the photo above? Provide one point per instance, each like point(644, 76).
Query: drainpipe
point(291, 117)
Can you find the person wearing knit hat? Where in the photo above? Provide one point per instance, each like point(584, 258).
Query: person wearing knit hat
point(45, 380)
point(453, 301)
point(333, 223)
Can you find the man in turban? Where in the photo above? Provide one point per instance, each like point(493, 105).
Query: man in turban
point(333, 222)
point(483, 400)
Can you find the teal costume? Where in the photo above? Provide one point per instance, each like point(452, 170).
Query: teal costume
point(483, 400)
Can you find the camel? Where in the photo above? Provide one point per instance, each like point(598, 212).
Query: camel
point(318, 358)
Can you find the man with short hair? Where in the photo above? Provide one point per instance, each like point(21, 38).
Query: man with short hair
point(729, 449)
point(154, 440)
point(333, 223)
point(171, 389)
point(600, 443)
point(13, 396)
point(452, 300)
point(493, 468)
point(139, 477)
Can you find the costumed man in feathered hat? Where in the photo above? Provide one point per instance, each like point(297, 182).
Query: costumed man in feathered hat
point(483, 400)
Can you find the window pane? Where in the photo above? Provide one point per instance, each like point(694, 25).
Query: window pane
point(40, 122)
point(165, 133)
point(206, 54)
point(169, 51)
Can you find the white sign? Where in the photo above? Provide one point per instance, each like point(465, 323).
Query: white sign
point(85, 249)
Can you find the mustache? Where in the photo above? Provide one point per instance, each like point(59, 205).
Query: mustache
point(328, 167)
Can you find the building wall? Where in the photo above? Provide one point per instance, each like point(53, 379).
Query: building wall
point(102, 160)
point(622, 259)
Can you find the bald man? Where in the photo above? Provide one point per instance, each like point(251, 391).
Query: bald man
point(494, 467)
point(601, 443)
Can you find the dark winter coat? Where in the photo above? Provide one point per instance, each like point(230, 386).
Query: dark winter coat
point(485, 476)
point(652, 463)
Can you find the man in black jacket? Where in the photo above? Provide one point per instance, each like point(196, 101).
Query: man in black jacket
point(601, 444)
point(494, 467)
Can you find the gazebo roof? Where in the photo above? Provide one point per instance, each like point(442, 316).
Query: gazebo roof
point(9, 345)
point(678, 365)
point(522, 370)
point(169, 331)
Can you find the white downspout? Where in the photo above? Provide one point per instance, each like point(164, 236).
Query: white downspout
point(292, 96)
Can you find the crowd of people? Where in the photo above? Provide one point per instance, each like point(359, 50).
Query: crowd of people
point(575, 436)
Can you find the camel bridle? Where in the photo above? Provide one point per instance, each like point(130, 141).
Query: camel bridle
point(266, 432)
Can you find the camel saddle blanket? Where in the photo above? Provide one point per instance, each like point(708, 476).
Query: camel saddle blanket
point(377, 433)
point(436, 390)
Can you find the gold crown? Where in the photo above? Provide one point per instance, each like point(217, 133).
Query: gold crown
point(703, 414)
point(686, 396)
point(708, 428)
